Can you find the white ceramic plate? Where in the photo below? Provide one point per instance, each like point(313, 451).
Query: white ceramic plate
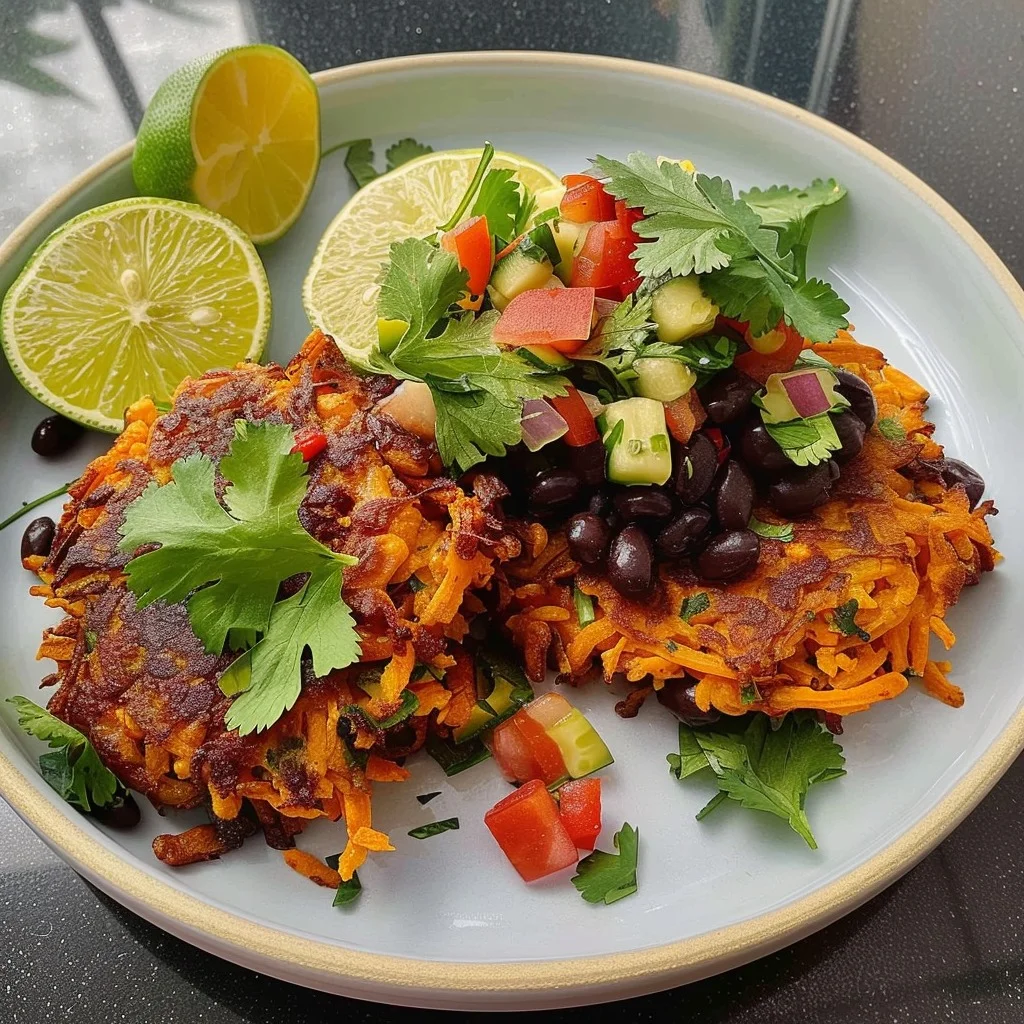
point(446, 922)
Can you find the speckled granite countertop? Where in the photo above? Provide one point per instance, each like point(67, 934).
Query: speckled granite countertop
point(937, 84)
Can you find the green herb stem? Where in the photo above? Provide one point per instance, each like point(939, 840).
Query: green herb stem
point(35, 503)
point(481, 169)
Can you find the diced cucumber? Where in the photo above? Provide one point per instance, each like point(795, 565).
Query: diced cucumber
point(390, 333)
point(581, 747)
point(681, 311)
point(525, 267)
point(546, 199)
point(544, 357)
point(664, 380)
point(637, 442)
point(569, 238)
point(500, 704)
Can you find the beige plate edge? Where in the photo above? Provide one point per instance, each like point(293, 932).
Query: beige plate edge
point(560, 982)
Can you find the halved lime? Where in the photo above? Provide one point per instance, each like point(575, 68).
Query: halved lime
point(341, 286)
point(126, 300)
point(237, 131)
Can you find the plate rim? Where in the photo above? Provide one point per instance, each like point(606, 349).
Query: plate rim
point(553, 982)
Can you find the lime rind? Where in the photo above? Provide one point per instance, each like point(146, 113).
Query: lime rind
point(54, 312)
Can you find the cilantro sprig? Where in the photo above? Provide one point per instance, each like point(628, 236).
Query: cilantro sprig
point(608, 877)
point(359, 159)
point(226, 559)
point(478, 390)
point(72, 768)
point(762, 768)
point(693, 224)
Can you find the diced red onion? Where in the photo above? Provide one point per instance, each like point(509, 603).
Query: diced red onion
point(594, 404)
point(604, 307)
point(541, 424)
point(806, 393)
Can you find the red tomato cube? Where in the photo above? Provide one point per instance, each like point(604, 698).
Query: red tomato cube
point(530, 833)
point(579, 807)
point(523, 751)
point(545, 316)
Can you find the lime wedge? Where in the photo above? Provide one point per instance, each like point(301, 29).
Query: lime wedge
point(237, 131)
point(340, 290)
point(126, 300)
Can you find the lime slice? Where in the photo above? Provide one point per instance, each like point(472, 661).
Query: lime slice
point(340, 290)
point(126, 300)
point(237, 131)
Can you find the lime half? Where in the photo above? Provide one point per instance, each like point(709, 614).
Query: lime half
point(237, 131)
point(128, 299)
point(341, 286)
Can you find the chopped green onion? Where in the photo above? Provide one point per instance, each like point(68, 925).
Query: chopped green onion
point(584, 606)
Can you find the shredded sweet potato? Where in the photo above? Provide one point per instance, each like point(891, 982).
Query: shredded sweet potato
point(311, 867)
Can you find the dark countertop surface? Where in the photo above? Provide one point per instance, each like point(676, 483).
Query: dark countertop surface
point(937, 84)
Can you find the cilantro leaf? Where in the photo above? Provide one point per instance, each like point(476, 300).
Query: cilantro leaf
point(771, 531)
point(749, 693)
point(690, 759)
point(348, 892)
point(806, 442)
point(425, 798)
point(72, 768)
point(403, 151)
point(891, 429)
point(844, 619)
point(478, 390)
point(607, 877)
point(316, 618)
point(359, 162)
point(505, 203)
point(771, 770)
point(694, 605)
point(435, 828)
point(230, 559)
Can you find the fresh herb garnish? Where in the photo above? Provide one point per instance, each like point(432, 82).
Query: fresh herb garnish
point(455, 758)
point(359, 162)
point(806, 442)
point(762, 768)
point(35, 503)
point(891, 429)
point(478, 390)
point(584, 606)
point(227, 561)
point(409, 704)
point(694, 605)
point(425, 798)
point(403, 151)
point(845, 620)
point(434, 828)
point(695, 225)
point(505, 203)
point(486, 156)
point(607, 877)
point(72, 769)
point(91, 639)
point(771, 531)
point(348, 891)
point(749, 694)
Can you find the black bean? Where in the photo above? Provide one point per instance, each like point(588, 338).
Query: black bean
point(696, 466)
point(554, 491)
point(728, 555)
point(643, 504)
point(121, 812)
point(679, 696)
point(727, 397)
point(55, 435)
point(588, 461)
point(851, 430)
point(859, 394)
point(683, 534)
point(588, 536)
point(38, 537)
point(344, 727)
point(758, 449)
point(801, 489)
point(735, 498)
point(600, 503)
point(954, 472)
point(631, 562)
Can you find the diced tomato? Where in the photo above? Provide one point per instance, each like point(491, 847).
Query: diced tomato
point(547, 316)
point(603, 261)
point(470, 242)
point(523, 750)
point(579, 807)
point(568, 180)
point(628, 287)
point(722, 443)
point(530, 833)
point(309, 444)
point(627, 216)
point(761, 365)
point(587, 201)
point(572, 409)
point(685, 415)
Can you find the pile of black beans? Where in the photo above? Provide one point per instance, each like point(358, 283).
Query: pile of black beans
point(700, 516)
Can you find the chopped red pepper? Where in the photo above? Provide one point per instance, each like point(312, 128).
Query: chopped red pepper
point(761, 365)
point(587, 201)
point(309, 443)
point(722, 443)
point(579, 807)
point(471, 244)
point(523, 750)
point(530, 833)
point(603, 261)
point(572, 409)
